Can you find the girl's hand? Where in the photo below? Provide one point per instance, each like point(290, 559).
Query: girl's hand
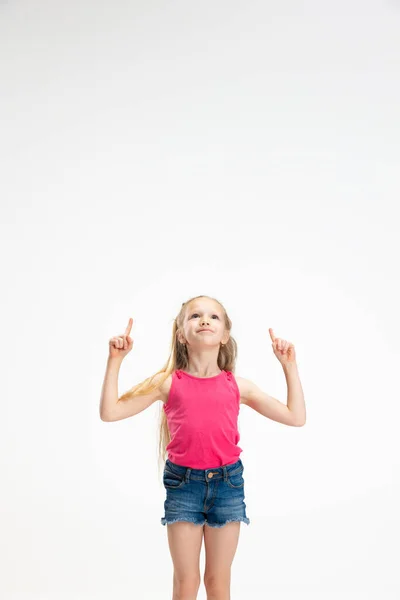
point(283, 350)
point(119, 346)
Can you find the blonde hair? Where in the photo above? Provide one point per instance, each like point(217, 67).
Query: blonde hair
point(178, 359)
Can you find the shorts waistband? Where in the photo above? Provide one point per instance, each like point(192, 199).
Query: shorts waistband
point(205, 474)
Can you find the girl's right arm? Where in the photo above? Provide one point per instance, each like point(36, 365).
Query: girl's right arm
point(118, 347)
point(109, 391)
point(110, 408)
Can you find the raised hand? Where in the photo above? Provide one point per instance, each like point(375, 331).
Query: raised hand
point(120, 345)
point(283, 350)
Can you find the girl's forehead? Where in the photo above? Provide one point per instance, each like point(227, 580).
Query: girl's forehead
point(205, 306)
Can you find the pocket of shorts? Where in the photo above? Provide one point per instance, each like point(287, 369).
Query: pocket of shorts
point(235, 480)
point(172, 480)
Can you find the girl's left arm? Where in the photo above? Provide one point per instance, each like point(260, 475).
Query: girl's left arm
point(286, 354)
point(294, 413)
point(295, 395)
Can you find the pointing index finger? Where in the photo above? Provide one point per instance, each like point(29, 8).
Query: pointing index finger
point(271, 333)
point(129, 327)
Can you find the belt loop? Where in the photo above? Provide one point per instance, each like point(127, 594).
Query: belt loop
point(187, 474)
point(225, 474)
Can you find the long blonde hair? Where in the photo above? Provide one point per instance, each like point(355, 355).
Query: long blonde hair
point(178, 359)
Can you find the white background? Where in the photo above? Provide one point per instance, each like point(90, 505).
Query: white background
point(154, 151)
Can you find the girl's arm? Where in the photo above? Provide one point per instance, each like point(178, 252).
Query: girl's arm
point(114, 409)
point(295, 395)
point(109, 391)
point(294, 413)
point(267, 406)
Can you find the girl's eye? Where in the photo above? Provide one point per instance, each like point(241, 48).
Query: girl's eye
point(194, 314)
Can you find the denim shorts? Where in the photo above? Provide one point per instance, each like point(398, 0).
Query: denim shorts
point(204, 496)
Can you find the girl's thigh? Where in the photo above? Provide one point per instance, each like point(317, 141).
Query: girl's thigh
point(185, 541)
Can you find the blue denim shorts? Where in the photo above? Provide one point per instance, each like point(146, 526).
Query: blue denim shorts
point(204, 496)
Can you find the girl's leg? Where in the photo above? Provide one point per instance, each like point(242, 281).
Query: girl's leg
point(185, 540)
point(220, 545)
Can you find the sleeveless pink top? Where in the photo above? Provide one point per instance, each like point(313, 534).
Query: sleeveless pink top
point(202, 416)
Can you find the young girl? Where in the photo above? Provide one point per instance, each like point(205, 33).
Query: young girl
point(203, 474)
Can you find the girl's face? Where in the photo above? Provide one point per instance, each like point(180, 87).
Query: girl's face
point(205, 314)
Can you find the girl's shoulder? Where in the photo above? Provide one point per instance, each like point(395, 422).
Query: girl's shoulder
point(165, 387)
point(242, 385)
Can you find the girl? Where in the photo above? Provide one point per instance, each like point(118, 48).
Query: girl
point(203, 474)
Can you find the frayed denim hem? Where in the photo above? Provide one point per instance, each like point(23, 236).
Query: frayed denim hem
point(165, 521)
point(244, 519)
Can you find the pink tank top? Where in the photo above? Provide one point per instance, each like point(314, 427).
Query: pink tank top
point(202, 416)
